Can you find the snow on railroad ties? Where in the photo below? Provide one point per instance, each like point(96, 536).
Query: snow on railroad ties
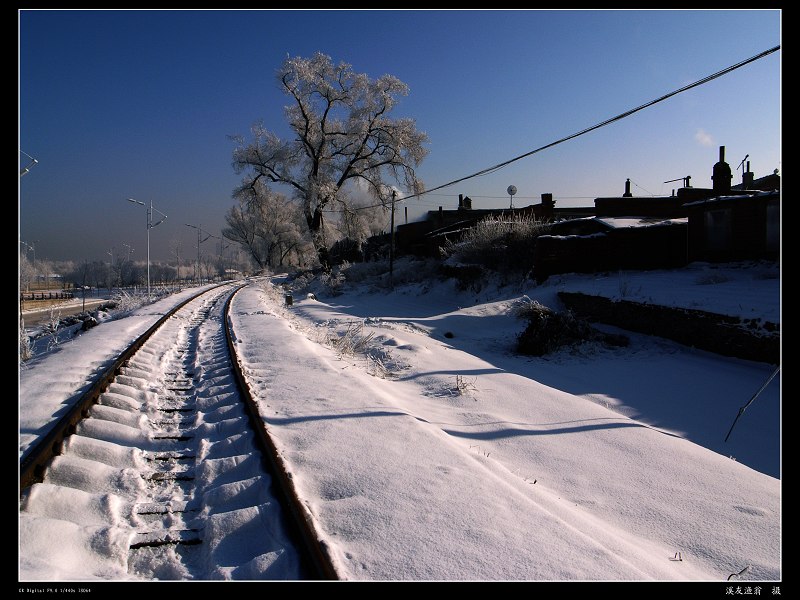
point(166, 456)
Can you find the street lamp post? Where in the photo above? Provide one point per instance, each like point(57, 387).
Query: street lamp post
point(223, 246)
point(199, 241)
point(30, 248)
point(33, 162)
point(150, 225)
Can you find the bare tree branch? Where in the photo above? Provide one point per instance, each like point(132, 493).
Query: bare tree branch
point(342, 133)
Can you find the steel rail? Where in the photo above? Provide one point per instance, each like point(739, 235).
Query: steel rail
point(289, 497)
point(316, 558)
point(35, 460)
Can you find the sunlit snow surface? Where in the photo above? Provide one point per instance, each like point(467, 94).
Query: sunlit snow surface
point(426, 449)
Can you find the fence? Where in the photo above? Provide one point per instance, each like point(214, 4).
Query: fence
point(45, 296)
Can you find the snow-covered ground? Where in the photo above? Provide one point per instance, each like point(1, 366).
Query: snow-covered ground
point(161, 459)
point(426, 449)
point(750, 290)
point(64, 365)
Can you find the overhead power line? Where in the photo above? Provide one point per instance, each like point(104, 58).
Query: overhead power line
point(641, 188)
point(602, 124)
point(574, 135)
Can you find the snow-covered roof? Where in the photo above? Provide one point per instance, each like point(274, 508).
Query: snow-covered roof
point(577, 220)
point(733, 198)
point(574, 235)
point(628, 222)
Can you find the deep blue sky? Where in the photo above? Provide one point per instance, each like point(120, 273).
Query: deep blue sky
point(117, 104)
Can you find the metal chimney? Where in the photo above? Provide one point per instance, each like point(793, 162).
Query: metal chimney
point(721, 174)
point(748, 177)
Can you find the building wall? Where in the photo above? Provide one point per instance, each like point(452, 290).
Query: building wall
point(726, 335)
point(656, 247)
point(730, 228)
point(735, 229)
point(667, 207)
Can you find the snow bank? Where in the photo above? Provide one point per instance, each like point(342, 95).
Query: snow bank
point(457, 467)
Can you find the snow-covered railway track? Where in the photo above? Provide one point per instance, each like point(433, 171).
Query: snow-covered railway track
point(158, 472)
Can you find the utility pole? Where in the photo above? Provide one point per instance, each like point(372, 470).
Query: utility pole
point(222, 247)
point(197, 264)
point(199, 241)
point(150, 225)
point(391, 246)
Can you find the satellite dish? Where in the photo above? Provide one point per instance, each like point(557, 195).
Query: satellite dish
point(512, 189)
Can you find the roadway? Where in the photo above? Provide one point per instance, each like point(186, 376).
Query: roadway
point(68, 307)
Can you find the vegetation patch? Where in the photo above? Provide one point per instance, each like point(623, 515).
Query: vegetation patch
point(467, 277)
point(548, 330)
point(499, 243)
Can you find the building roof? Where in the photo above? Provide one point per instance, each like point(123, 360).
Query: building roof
point(629, 222)
point(735, 198)
point(618, 222)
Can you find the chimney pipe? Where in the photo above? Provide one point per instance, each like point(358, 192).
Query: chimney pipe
point(548, 205)
point(747, 178)
point(721, 174)
point(627, 193)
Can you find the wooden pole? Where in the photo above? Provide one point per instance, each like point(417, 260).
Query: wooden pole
point(391, 246)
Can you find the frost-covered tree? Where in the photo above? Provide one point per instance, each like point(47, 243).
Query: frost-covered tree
point(268, 226)
point(342, 132)
point(362, 217)
point(97, 273)
point(26, 273)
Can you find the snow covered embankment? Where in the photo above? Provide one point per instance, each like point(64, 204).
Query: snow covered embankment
point(453, 468)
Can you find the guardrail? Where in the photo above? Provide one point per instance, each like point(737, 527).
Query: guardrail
point(46, 296)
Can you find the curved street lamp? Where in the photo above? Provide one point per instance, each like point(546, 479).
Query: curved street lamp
point(222, 247)
point(30, 164)
point(150, 225)
point(199, 241)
